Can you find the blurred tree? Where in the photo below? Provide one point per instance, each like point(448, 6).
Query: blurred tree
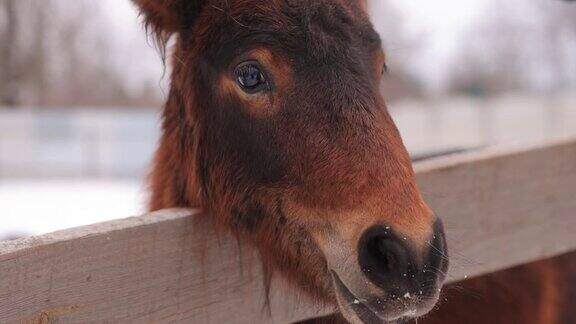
point(558, 51)
point(518, 45)
point(58, 53)
point(9, 75)
point(400, 81)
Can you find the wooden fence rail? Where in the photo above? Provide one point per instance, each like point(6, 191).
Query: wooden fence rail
point(501, 207)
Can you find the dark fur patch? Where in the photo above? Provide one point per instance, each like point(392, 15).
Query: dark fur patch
point(251, 217)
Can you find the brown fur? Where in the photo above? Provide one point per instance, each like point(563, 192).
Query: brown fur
point(317, 160)
point(250, 190)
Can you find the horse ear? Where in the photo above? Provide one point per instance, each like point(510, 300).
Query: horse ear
point(165, 17)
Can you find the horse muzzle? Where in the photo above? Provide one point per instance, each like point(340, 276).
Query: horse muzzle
point(391, 279)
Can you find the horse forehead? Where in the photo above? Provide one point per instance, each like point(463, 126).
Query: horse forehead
point(335, 22)
point(288, 16)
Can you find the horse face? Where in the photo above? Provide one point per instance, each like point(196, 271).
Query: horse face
point(284, 138)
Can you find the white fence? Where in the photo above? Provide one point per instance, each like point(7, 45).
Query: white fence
point(461, 123)
point(106, 143)
point(98, 142)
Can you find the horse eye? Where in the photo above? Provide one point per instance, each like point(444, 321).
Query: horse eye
point(250, 77)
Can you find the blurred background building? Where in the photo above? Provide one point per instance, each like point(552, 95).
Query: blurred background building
point(81, 88)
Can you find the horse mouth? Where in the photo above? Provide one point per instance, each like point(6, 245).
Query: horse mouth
point(348, 302)
point(361, 310)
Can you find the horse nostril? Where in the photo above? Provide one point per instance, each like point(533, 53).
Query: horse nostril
point(393, 264)
point(385, 259)
point(386, 253)
point(378, 248)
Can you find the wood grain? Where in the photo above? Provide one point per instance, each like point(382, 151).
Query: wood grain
point(504, 206)
point(501, 208)
point(141, 269)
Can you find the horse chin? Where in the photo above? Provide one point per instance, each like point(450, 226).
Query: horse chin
point(351, 307)
point(357, 311)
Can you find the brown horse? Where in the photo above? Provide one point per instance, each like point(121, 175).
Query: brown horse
point(275, 127)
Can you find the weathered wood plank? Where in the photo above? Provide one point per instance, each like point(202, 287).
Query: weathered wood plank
point(504, 206)
point(142, 269)
point(501, 208)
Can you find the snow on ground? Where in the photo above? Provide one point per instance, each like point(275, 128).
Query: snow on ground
point(31, 207)
point(115, 145)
